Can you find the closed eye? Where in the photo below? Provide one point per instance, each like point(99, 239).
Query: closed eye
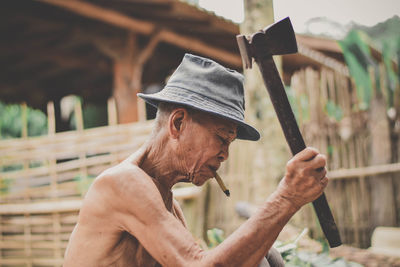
point(222, 139)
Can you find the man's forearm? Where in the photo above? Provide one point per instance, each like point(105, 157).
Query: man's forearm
point(251, 242)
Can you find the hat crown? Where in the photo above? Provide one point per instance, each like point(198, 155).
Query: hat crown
point(203, 84)
point(207, 78)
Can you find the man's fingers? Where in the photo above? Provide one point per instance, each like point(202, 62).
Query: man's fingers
point(319, 162)
point(307, 154)
point(320, 173)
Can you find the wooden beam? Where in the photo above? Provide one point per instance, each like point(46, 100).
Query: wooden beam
point(146, 28)
point(364, 171)
point(183, 193)
point(105, 15)
point(323, 60)
point(41, 207)
point(195, 45)
point(141, 59)
point(318, 43)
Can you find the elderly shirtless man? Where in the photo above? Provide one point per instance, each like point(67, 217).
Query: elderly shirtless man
point(129, 216)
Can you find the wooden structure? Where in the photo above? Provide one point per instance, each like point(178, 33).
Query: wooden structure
point(98, 49)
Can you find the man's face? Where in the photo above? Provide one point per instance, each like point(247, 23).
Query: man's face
point(205, 145)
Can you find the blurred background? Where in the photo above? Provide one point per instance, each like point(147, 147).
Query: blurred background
point(69, 110)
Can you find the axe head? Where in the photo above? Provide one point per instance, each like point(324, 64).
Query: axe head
point(276, 39)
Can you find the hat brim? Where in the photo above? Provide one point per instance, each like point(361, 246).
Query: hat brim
point(244, 130)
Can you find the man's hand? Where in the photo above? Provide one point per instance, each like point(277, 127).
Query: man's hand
point(305, 177)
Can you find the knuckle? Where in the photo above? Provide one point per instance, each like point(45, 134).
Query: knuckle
point(313, 150)
point(320, 161)
point(289, 164)
point(322, 158)
point(303, 172)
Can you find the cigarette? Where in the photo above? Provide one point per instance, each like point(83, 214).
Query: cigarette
point(222, 185)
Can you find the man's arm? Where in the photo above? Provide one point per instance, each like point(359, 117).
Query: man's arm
point(140, 210)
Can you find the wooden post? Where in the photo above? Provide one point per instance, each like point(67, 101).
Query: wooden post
point(128, 71)
point(24, 119)
point(51, 130)
point(125, 99)
point(27, 226)
point(112, 112)
point(58, 251)
point(382, 199)
point(82, 154)
point(51, 121)
point(78, 116)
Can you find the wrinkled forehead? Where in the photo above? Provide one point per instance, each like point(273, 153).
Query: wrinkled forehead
point(220, 125)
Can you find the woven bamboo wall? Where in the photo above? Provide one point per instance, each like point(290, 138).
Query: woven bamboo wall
point(344, 135)
point(41, 197)
point(61, 166)
point(40, 202)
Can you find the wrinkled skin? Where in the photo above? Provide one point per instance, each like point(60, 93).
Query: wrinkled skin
point(129, 217)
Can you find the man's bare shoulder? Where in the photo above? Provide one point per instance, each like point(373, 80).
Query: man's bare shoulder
point(117, 187)
point(115, 178)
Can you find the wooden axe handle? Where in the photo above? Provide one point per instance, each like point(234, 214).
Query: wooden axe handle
point(295, 140)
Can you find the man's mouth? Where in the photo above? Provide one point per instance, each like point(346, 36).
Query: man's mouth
point(213, 168)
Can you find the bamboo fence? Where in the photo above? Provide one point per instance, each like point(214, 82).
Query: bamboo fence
point(44, 179)
point(344, 135)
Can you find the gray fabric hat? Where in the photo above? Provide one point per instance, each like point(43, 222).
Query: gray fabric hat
point(205, 85)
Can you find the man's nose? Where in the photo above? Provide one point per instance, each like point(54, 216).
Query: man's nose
point(224, 153)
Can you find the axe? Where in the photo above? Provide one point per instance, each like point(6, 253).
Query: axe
point(279, 39)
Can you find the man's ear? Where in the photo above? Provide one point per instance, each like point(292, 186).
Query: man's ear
point(177, 121)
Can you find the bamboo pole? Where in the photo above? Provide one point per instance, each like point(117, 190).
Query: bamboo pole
point(112, 111)
point(51, 122)
point(60, 206)
point(78, 116)
point(57, 244)
point(364, 171)
point(27, 228)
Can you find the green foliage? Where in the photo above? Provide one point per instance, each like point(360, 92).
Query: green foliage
point(215, 237)
point(392, 79)
point(333, 110)
point(300, 105)
point(309, 259)
point(358, 57)
point(384, 36)
point(290, 253)
point(84, 182)
point(384, 32)
point(94, 115)
point(300, 258)
point(11, 121)
point(5, 185)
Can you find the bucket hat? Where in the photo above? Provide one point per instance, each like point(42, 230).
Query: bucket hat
point(203, 84)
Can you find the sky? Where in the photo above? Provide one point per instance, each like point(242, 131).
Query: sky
point(365, 12)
